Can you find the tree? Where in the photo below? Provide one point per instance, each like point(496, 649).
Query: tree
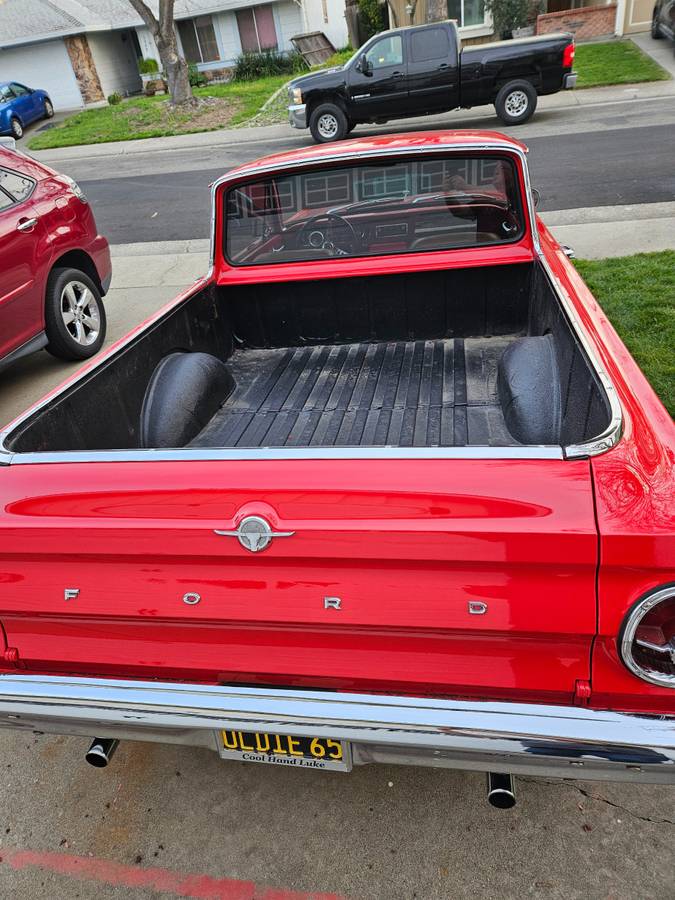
point(509, 14)
point(164, 32)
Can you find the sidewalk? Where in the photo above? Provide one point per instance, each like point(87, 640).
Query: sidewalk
point(576, 99)
point(660, 51)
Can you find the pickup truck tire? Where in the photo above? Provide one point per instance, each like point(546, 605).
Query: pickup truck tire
point(75, 319)
point(516, 102)
point(327, 123)
point(655, 31)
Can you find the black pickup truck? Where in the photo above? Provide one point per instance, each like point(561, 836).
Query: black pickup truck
point(421, 70)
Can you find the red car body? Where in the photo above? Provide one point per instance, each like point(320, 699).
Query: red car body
point(561, 548)
point(63, 234)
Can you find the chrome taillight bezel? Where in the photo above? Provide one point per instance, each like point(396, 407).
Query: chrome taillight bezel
point(629, 628)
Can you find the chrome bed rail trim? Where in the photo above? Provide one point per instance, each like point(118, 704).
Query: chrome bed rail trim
point(205, 454)
point(564, 741)
point(612, 433)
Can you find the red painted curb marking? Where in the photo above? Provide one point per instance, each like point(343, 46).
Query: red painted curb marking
point(106, 871)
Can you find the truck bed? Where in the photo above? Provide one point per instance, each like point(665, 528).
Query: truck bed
point(434, 393)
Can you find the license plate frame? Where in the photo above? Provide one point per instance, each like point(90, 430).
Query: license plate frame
point(292, 751)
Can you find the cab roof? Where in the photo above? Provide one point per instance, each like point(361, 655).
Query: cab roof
point(420, 140)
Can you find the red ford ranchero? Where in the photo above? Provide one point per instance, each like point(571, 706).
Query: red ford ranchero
point(383, 486)
point(54, 265)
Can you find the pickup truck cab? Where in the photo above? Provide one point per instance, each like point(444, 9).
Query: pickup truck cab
point(421, 70)
point(383, 486)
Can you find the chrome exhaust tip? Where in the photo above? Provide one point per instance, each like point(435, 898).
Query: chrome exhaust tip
point(101, 752)
point(501, 790)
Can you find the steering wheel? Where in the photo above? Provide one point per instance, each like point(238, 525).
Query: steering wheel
point(317, 239)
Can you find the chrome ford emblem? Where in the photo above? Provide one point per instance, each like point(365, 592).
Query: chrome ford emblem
point(255, 533)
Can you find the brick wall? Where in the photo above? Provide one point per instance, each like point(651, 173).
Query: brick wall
point(587, 22)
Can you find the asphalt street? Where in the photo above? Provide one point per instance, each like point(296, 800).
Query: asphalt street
point(619, 152)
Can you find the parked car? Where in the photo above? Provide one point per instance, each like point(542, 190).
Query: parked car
point(383, 486)
point(417, 71)
point(54, 265)
point(663, 20)
point(21, 105)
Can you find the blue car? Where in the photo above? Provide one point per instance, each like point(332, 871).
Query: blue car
point(21, 105)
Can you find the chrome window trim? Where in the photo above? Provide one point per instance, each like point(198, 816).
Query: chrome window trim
point(600, 444)
point(627, 636)
point(342, 156)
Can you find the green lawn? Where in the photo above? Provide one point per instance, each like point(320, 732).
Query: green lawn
point(230, 104)
point(615, 62)
point(638, 294)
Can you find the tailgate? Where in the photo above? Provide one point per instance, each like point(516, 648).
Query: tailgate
point(453, 576)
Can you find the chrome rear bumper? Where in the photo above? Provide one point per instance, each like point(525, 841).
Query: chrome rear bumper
point(569, 81)
point(553, 741)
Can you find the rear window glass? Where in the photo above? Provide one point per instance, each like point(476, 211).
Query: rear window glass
point(17, 186)
point(374, 209)
point(432, 43)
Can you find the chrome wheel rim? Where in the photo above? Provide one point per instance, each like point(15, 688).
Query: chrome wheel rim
point(49, 109)
point(327, 125)
point(516, 103)
point(80, 313)
point(17, 130)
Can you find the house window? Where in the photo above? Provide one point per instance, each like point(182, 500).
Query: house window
point(256, 29)
point(198, 38)
point(468, 13)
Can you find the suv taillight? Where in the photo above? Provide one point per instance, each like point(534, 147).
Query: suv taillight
point(648, 638)
point(568, 56)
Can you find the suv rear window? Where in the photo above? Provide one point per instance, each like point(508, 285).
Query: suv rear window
point(376, 209)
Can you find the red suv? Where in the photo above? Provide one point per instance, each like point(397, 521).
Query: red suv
point(54, 266)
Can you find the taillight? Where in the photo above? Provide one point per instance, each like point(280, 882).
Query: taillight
point(648, 638)
point(568, 56)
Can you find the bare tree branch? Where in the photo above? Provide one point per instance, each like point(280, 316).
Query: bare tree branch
point(165, 17)
point(164, 33)
point(147, 15)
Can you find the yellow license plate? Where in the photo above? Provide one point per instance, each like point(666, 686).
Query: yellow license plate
point(318, 753)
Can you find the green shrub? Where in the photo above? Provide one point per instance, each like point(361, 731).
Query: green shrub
point(114, 99)
point(509, 14)
point(371, 18)
point(148, 66)
point(251, 66)
point(197, 79)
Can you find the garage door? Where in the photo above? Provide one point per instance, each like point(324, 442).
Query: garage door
point(44, 66)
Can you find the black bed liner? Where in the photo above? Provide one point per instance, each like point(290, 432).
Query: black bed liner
point(434, 393)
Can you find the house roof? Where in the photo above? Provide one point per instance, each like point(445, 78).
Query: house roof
point(30, 21)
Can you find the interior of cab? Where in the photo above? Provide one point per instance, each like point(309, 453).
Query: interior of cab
point(374, 209)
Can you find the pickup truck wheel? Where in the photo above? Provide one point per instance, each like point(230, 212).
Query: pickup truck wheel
point(75, 319)
point(328, 123)
point(516, 102)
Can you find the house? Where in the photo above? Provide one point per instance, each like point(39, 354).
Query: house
point(587, 19)
point(82, 51)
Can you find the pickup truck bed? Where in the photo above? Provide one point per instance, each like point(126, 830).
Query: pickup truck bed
point(400, 393)
point(416, 360)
